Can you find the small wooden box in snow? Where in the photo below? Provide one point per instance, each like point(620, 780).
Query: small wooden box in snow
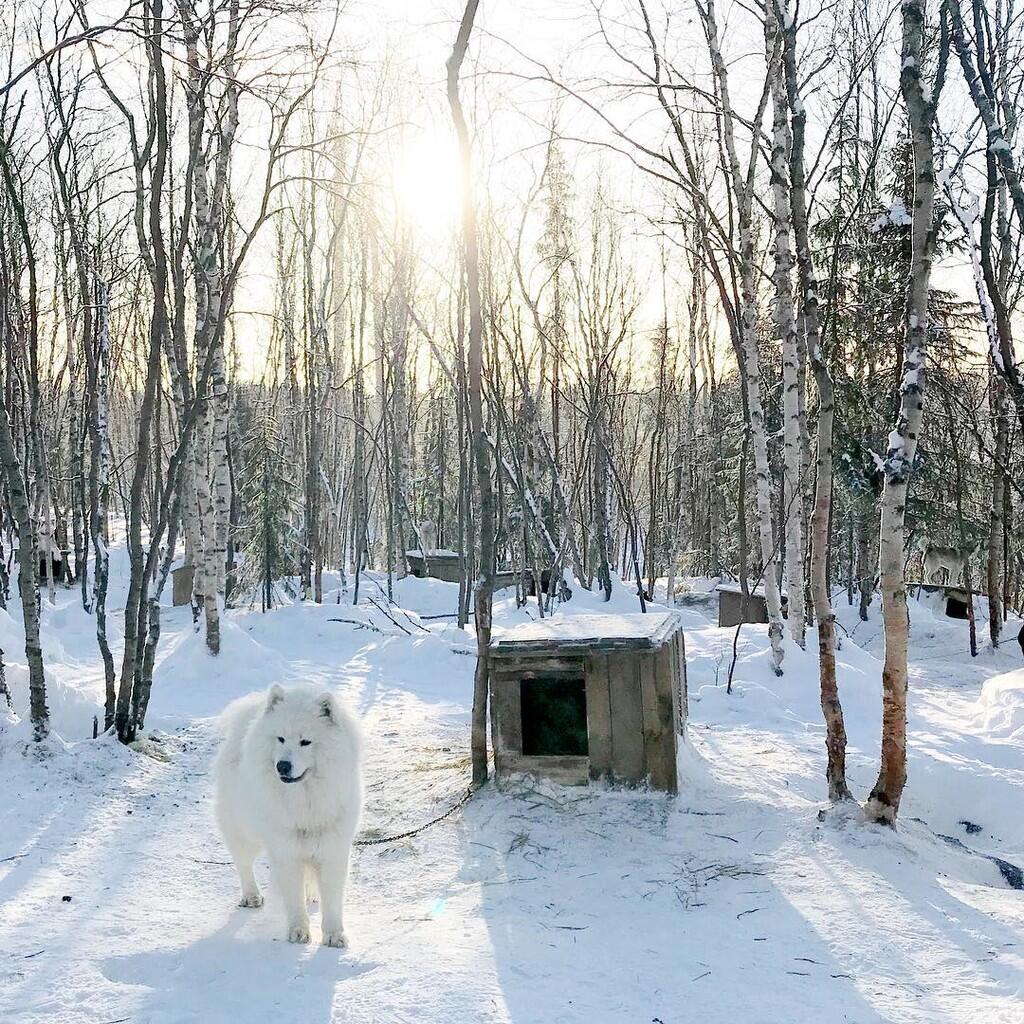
point(437, 563)
point(734, 609)
point(182, 580)
point(590, 696)
point(957, 599)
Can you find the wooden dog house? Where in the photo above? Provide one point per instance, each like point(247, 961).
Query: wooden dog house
point(956, 599)
point(441, 564)
point(734, 609)
point(183, 579)
point(590, 696)
point(437, 563)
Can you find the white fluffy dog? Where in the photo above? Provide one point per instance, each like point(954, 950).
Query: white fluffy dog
point(289, 782)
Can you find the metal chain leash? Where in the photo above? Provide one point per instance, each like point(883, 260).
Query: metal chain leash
point(461, 802)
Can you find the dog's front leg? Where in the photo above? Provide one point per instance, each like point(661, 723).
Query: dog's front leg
point(290, 875)
point(332, 877)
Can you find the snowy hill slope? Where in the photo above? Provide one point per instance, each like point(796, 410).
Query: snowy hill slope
point(732, 902)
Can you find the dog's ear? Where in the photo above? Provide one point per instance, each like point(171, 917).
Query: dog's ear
point(328, 709)
point(275, 695)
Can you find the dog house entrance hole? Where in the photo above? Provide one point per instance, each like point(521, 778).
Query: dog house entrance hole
point(956, 608)
point(554, 714)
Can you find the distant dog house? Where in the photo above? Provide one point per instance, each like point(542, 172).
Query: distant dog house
point(183, 579)
point(55, 563)
point(956, 600)
point(733, 608)
point(504, 578)
point(550, 583)
point(590, 697)
point(437, 563)
point(441, 564)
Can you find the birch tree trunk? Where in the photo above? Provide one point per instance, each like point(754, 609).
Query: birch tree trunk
point(18, 492)
point(601, 483)
point(126, 712)
point(481, 454)
point(36, 447)
point(398, 326)
point(865, 569)
point(221, 477)
point(785, 330)
point(198, 513)
point(743, 187)
point(210, 471)
point(831, 708)
point(360, 512)
point(883, 803)
point(99, 488)
point(996, 609)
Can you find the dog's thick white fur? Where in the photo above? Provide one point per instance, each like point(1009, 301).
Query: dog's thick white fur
point(289, 781)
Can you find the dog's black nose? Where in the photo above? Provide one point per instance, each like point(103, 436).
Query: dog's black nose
point(284, 768)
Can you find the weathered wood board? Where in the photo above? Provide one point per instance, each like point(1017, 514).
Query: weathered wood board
point(733, 608)
point(599, 716)
point(440, 564)
point(182, 582)
point(627, 718)
point(566, 770)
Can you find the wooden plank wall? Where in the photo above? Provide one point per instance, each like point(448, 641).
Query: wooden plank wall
point(506, 710)
point(566, 769)
point(599, 716)
point(732, 610)
point(628, 762)
point(682, 709)
point(659, 726)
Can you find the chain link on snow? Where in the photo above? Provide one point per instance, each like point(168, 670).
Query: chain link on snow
point(461, 802)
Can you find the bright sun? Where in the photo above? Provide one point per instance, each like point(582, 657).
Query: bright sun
point(426, 181)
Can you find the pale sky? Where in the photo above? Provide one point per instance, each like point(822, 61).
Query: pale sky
point(509, 116)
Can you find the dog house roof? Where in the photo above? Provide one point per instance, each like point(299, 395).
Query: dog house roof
point(735, 588)
point(585, 633)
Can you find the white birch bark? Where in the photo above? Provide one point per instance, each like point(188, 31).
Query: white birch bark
point(100, 465)
point(742, 187)
point(831, 707)
point(481, 455)
point(38, 710)
point(210, 463)
point(398, 326)
point(883, 803)
point(785, 331)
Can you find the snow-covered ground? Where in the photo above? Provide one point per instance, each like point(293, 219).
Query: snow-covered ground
point(732, 903)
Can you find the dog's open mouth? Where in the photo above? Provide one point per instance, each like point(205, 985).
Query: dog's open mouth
point(296, 778)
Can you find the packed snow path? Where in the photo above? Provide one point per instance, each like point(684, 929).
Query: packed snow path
point(732, 902)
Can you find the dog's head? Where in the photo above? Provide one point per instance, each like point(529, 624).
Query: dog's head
point(300, 725)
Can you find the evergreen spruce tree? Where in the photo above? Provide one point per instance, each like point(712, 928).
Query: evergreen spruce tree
point(267, 532)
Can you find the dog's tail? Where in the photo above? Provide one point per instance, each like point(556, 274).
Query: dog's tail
point(232, 724)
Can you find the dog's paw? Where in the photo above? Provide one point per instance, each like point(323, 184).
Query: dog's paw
point(299, 933)
point(251, 901)
point(336, 937)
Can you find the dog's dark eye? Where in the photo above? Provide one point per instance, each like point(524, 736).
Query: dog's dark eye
point(280, 739)
point(304, 743)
